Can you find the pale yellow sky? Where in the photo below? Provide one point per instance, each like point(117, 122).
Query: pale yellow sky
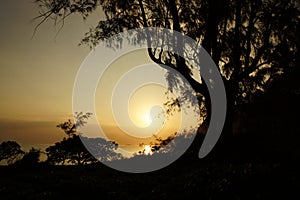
point(37, 75)
point(150, 97)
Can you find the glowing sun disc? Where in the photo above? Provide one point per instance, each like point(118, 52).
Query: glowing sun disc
point(147, 120)
point(147, 150)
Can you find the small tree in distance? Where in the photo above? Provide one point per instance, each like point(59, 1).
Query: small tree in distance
point(30, 158)
point(71, 149)
point(10, 151)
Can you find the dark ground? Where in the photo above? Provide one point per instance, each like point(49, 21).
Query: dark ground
point(226, 176)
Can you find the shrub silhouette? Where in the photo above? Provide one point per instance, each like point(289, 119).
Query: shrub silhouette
point(10, 151)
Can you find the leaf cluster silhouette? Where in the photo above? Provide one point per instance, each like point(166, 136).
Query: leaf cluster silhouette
point(252, 42)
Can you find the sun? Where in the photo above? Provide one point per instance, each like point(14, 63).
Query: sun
point(147, 119)
point(147, 150)
point(142, 118)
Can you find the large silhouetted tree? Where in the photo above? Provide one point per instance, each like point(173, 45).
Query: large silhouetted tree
point(252, 42)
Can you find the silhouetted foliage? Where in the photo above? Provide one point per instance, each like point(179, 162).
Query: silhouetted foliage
point(57, 154)
point(30, 158)
point(72, 150)
point(10, 151)
point(102, 150)
point(159, 143)
point(252, 42)
point(70, 128)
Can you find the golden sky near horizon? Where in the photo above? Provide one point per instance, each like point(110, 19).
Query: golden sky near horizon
point(37, 77)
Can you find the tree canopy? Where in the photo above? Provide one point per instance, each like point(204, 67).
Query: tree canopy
point(72, 150)
point(10, 151)
point(69, 150)
point(252, 42)
point(30, 158)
